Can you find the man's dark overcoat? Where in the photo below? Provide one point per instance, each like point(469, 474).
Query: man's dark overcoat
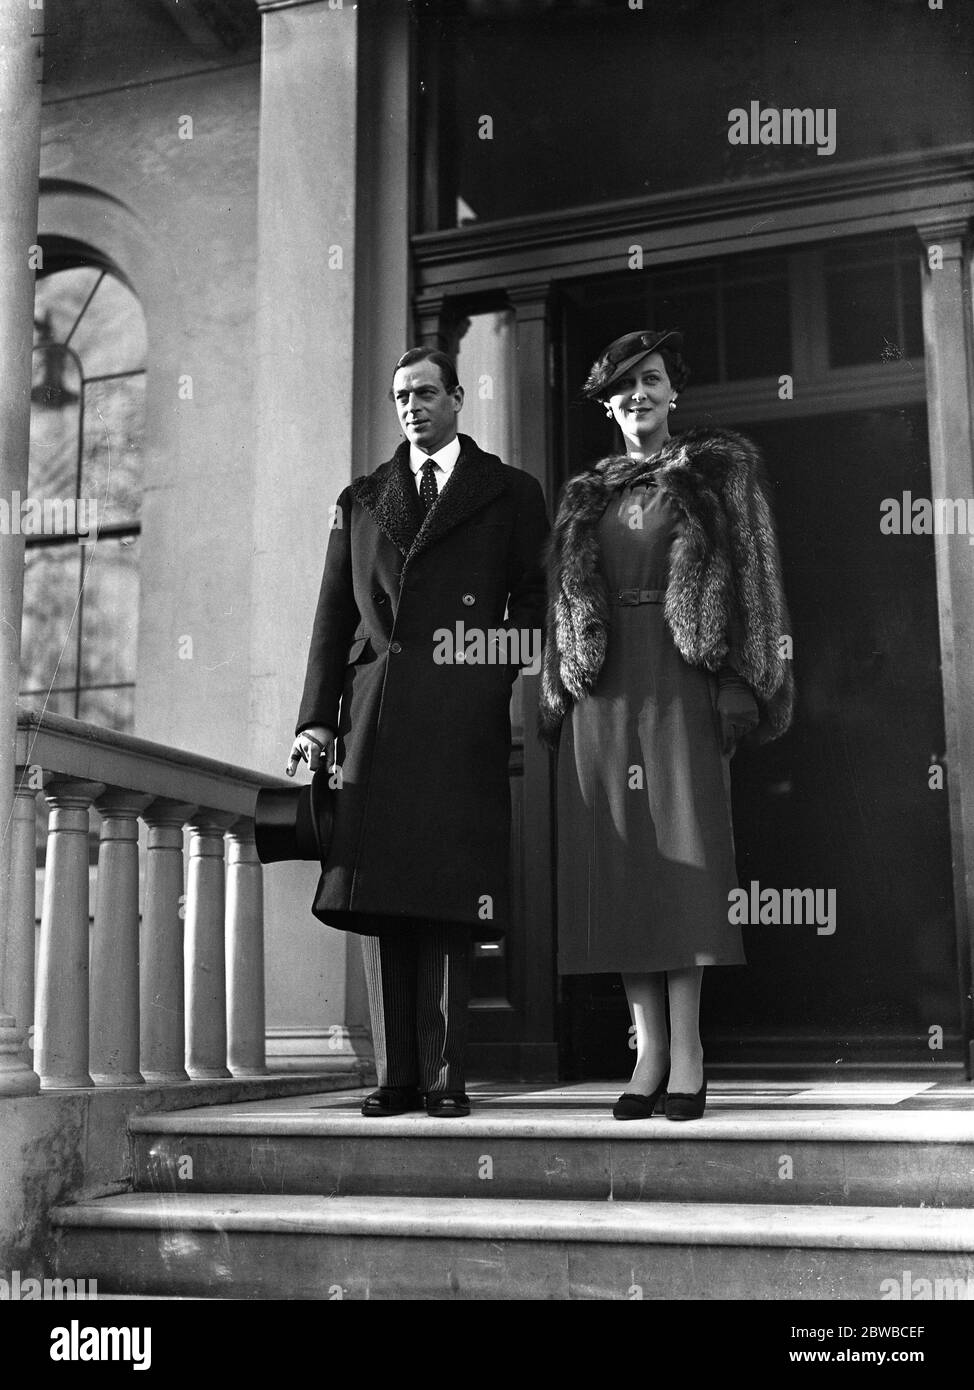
point(422, 816)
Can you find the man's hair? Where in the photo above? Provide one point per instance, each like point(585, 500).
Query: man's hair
point(439, 359)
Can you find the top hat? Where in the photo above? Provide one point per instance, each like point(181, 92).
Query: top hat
point(294, 822)
point(624, 353)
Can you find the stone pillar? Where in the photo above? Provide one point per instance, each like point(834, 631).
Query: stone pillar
point(245, 953)
point(332, 316)
point(162, 1006)
point(61, 1037)
point(19, 963)
point(948, 335)
point(435, 327)
point(20, 120)
point(206, 983)
point(114, 1047)
point(532, 433)
point(382, 325)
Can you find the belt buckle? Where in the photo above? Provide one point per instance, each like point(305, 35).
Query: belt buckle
point(629, 598)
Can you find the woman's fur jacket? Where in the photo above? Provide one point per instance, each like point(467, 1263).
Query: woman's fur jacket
point(724, 600)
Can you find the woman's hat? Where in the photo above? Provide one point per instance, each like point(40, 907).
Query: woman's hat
point(624, 353)
point(294, 822)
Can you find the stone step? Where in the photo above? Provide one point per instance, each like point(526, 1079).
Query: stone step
point(290, 1247)
point(155, 1298)
point(322, 1145)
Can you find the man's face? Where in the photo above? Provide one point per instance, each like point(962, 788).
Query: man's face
point(426, 410)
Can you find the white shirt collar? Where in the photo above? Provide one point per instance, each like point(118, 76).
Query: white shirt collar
point(445, 458)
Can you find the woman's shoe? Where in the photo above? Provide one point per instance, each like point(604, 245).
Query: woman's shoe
point(680, 1105)
point(632, 1106)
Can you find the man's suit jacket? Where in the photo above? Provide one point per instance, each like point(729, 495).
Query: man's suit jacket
point(422, 812)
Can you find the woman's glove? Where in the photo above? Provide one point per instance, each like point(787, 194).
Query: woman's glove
point(737, 709)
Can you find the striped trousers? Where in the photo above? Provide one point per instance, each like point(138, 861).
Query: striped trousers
point(418, 982)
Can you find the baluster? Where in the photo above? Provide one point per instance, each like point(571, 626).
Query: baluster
point(61, 1035)
point(19, 971)
point(162, 1003)
point(17, 1077)
point(206, 984)
point(114, 1016)
point(245, 953)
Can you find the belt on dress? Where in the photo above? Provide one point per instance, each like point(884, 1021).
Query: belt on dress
point(629, 598)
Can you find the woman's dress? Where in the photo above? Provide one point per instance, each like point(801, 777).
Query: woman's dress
point(645, 844)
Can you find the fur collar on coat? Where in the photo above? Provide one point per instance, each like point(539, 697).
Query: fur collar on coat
point(724, 600)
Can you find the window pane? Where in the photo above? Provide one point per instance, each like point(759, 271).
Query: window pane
point(54, 409)
point(862, 314)
point(110, 612)
point(757, 329)
point(610, 307)
point(50, 702)
point(112, 709)
point(87, 439)
point(910, 291)
point(51, 579)
point(60, 298)
point(114, 428)
point(111, 334)
point(873, 301)
point(592, 100)
point(688, 301)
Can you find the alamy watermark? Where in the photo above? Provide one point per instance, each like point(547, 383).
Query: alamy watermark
point(756, 906)
point(766, 125)
point(913, 1289)
point(492, 646)
point(17, 1289)
point(78, 1343)
point(48, 516)
point(907, 515)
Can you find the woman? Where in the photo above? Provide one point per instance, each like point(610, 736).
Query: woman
point(664, 623)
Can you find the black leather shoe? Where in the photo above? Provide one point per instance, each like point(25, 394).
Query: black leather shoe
point(680, 1105)
point(392, 1100)
point(446, 1104)
point(632, 1106)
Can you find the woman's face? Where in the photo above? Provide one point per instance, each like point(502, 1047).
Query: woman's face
point(640, 403)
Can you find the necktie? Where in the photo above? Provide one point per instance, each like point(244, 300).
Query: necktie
point(428, 490)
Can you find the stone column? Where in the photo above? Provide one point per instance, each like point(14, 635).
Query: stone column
point(20, 119)
point(532, 433)
point(61, 1038)
point(162, 1005)
point(332, 316)
point(19, 963)
point(114, 1047)
point(435, 326)
point(245, 953)
point(206, 983)
point(948, 335)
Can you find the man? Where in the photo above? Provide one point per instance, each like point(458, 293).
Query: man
point(439, 545)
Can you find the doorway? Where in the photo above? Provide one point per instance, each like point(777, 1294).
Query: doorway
point(852, 799)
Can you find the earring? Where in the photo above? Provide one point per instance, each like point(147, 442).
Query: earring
point(608, 412)
point(672, 405)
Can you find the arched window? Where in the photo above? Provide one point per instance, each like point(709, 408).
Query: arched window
point(81, 518)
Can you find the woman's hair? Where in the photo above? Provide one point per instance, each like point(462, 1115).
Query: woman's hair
point(439, 359)
point(677, 367)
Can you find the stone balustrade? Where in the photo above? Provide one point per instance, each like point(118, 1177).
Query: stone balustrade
point(121, 1001)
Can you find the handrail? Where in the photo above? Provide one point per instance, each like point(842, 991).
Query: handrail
point(74, 748)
